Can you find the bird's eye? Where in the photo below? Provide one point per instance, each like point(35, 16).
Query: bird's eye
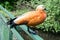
point(45, 9)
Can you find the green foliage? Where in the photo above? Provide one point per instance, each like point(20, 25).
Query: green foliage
point(20, 12)
point(51, 23)
point(8, 4)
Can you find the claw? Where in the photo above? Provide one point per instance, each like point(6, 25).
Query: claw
point(32, 32)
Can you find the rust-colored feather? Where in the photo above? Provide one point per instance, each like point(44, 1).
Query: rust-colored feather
point(32, 18)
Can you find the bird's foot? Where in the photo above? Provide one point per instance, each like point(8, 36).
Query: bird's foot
point(32, 31)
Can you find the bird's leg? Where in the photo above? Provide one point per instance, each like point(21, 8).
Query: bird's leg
point(28, 29)
point(34, 29)
point(31, 30)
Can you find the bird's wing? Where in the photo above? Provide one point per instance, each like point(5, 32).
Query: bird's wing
point(34, 21)
point(25, 17)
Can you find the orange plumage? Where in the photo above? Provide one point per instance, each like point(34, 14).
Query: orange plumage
point(32, 18)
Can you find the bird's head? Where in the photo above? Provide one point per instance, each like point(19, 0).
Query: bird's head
point(40, 7)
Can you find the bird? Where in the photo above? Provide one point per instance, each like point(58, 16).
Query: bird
point(30, 18)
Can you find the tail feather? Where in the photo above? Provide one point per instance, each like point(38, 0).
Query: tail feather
point(11, 23)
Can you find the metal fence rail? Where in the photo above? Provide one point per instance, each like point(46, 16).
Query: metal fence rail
point(6, 33)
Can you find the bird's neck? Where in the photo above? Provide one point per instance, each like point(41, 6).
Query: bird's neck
point(42, 12)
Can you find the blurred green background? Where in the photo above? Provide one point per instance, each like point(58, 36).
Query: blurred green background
point(18, 7)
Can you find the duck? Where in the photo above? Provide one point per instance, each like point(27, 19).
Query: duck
point(31, 19)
